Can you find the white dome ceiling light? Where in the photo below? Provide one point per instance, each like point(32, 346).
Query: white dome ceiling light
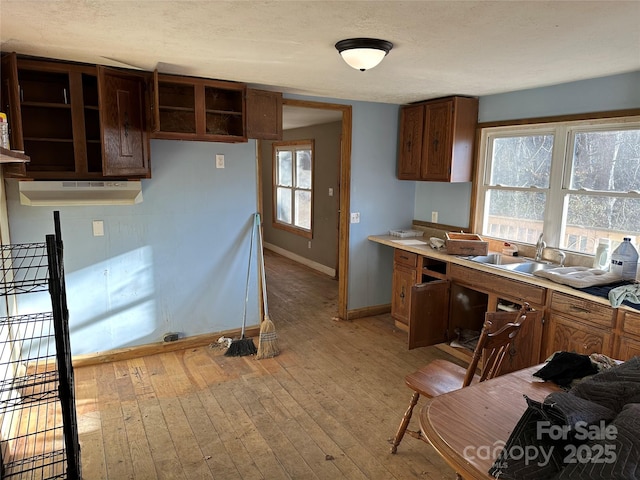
point(363, 53)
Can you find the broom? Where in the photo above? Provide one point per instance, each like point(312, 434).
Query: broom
point(268, 340)
point(244, 346)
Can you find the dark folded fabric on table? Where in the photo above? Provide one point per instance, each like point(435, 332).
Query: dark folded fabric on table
point(565, 367)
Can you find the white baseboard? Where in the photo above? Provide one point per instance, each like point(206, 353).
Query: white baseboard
point(305, 261)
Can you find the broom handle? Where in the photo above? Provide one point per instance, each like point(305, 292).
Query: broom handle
point(246, 289)
point(264, 280)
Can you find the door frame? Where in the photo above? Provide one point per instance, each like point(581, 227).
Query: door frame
point(344, 192)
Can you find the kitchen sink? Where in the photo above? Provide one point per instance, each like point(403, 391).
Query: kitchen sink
point(522, 265)
point(497, 259)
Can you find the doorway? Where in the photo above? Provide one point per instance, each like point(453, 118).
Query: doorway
point(300, 114)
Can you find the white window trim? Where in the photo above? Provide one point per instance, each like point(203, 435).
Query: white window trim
point(561, 162)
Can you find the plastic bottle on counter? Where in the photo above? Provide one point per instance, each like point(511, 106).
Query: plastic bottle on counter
point(624, 260)
point(601, 259)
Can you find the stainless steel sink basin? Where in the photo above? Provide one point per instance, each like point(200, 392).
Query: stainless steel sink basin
point(530, 267)
point(522, 265)
point(497, 259)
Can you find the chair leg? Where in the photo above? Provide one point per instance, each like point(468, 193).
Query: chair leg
point(404, 423)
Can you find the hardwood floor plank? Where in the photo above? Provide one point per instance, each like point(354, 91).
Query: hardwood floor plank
point(324, 408)
point(232, 443)
point(212, 446)
point(141, 458)
point(163, 452)
point(242, 424)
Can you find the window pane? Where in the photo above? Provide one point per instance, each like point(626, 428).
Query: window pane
point(285, 175)
point(522, 161)
point(607, 161)
point(517, 216)
point(283, 205)
point(303, 169)
point(592, 217)
point(303, 209)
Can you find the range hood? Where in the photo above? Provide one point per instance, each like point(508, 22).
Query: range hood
point(85, 192)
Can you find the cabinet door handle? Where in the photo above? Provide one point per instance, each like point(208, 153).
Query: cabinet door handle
point(402, 293)
point(126, 124)
point(435, 144)
point(579, 309)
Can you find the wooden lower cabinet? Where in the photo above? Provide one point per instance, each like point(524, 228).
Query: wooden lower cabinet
point(567, 334)
point(629, 338)
point(628, 348)
point(579, 325)
point(405, 276)
point(429, 314)
point(432, 302)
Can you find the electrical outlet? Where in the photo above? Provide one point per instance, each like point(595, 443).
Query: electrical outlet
point(434, 217)
point(355, 217)
point(309, 244)
point(98, 228)
point(219, 161)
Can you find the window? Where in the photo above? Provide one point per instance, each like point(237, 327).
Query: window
point(293, 186)
point(574, 181)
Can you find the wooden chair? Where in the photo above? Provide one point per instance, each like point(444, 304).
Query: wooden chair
point(442, 376)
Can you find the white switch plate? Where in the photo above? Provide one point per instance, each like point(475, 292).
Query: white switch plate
point(98, 228)
point(219, 161)
point(330, 192)
point(355, 217)
point(434, 217)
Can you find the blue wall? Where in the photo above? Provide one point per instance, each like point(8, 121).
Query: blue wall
point(617, 92)
point(176, 262)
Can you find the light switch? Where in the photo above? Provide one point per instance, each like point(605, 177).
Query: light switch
point(330, 192)
point(219, 161)
point(98, 228)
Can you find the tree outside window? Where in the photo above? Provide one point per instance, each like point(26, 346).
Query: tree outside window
point(574, 181)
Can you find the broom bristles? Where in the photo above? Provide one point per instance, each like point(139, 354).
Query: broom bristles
point(268, 340)
point(241, 347)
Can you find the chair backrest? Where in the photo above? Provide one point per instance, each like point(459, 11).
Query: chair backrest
point(493, 346)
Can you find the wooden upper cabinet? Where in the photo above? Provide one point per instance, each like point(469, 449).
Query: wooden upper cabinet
point(411, 132)
point(10, 104)
point(57, 114)
point(125, 143)
point(190, 108)
point(264, 114)
point(11, 99)
point(436, 140)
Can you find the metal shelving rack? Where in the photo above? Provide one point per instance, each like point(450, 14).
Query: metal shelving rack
point(38, 423)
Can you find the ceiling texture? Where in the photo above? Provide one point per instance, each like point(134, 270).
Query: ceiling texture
point(440, 47)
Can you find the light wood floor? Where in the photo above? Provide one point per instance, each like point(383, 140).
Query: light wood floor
point(324, 408)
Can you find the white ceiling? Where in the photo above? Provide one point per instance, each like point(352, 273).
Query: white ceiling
point(440, 47)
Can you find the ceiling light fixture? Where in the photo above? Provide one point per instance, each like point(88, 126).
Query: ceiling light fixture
point(363, 53)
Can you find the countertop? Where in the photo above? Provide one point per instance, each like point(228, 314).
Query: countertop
point(426, 250)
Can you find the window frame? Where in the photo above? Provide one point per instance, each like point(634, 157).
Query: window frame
point(308, 144)
point(564, 131)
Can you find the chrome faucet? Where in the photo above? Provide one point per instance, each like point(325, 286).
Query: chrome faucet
point(540, 246)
